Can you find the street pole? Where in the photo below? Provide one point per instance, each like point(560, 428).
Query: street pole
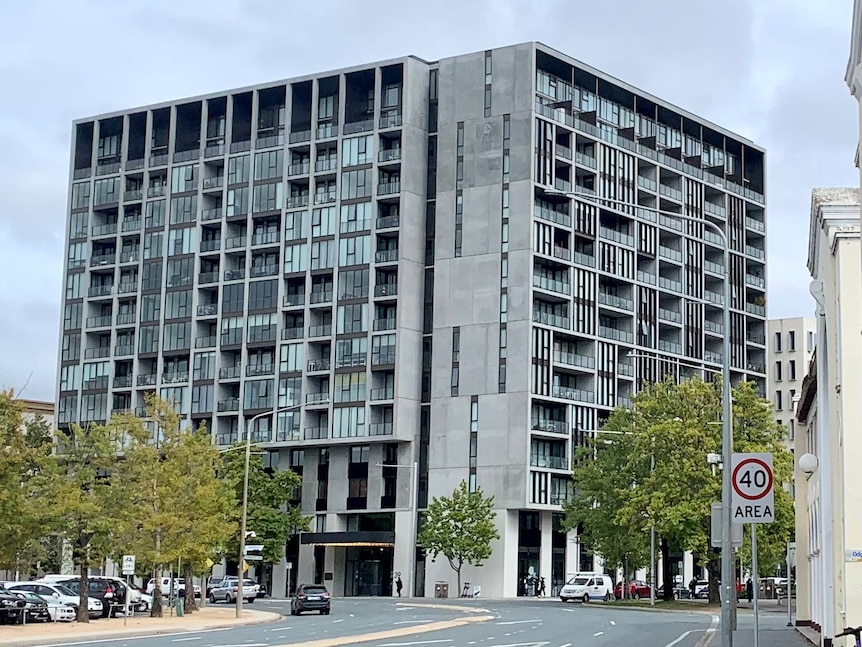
point(756, 586)
point(727, 560)
point(652, 559)
point(242, 526)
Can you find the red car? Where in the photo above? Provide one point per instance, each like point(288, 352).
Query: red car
point(637, 589)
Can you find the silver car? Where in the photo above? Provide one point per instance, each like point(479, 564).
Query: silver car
point(228, 590)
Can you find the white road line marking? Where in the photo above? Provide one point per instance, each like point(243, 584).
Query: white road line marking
point(613, 624)
point(409, 622)
point(416, 642)
point(518, 622)
point(598, 633)
point(679, 639)
point(112, 640)
point(339, 620)
point(566, 645)
point(182, 640)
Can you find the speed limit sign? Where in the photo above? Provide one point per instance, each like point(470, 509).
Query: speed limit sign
point(752, 477)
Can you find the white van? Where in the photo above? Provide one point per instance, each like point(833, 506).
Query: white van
point(588, 586)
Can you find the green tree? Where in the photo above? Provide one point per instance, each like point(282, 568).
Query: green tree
point(460, 527)
point(79, 499)
point(23, 462)
point(271, 516)
point(679, 424)
point(603, 481)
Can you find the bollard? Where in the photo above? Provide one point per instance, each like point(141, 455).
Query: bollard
point(180, 606)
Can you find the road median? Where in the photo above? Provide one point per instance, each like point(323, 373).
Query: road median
point(207, 619)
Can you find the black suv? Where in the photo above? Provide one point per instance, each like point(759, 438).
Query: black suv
point(310, 597)
point(11, 607)
point(111, 593)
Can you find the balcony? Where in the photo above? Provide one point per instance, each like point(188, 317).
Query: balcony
point(147, 379)
point(670, 221)
point(383, 393)
point(617, 236)
point(550, 319)
point(614, 333)
point(125, 318)
point(231, 404)
point(210, 245)
point(755, 225)
point(320, 364)
point(647, 183)
point(297, 201)
point(321, 397)
point(562, 185)
point(756, 252)
point(326, 164)
point(156, 191)
point(670, 284)
point(713, 268)
point(563, 253)
point(359, 359)
point(386, 256)
point(122, 381)
point(256, 370)
point(550, 462)
point(229, 438)
point(100, 291)
point(292, 333)
point(670, 346)
point(130, 256)
point(325, 131)
point(230, 372)
point(552, 285)
point(211, 214)
point(386, 290)
point(94, 353)
point(101, 321)
point(670, 192)
point(208, 277)
point(563, 152)
point(615, 301)
point(574, 360)
point(320, 296)
point(387, 222)
point(234, 275)
point(175, 377)
point(293, 300)
point(235, 242)
point(214, 150)
point(299, 136)
point(712, 357)
point(713, 327)
point(755, 309)
point(586, 160)
point(322, 330)
point(264, 270)
point(756, 338)
point(586, 260)
point(669, 315)
point(206, 342)
point(389, 155)
point(756, 367)
point(380, 429)
point(104, 230)
point(669, 253)
point(301, 168)
point(550, 215)
point(325, 197)
point(266, 238)
point(568, 393)
point(715, 209)
point(390, 121)
point(211, 183)
point(713, 297)
point(207, 310)
point(625, 369)
point(358, 126)
point(270, 141)
point(384, 324)
point(388, 188)
point(383, 357)
point(124, 350)
point(713, 238)
point(314, 433)
point(551, 426)
point(646, 277)
point(756, 281)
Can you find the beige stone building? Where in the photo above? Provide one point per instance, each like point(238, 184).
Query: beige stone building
point(790, 346)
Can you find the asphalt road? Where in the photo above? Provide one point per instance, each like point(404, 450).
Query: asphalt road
point(507, 623)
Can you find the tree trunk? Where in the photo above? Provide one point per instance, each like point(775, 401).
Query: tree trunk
point(156, 611)
point(83, 591)
point(714, 594)
point(458, 572)
point(188, 575)
point(667, 578)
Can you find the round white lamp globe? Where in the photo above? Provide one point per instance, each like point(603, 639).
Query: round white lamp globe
point(807, 463)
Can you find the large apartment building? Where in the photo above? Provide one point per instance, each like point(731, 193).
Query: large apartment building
point(386, 249)
point(791, 347)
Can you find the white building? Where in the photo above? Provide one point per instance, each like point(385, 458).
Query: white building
point(828, 496)
point(791, 346)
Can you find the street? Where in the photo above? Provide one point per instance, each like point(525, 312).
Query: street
point(386, 622)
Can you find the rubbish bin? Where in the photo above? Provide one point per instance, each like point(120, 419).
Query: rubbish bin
point(180, 604)
point(441, 589)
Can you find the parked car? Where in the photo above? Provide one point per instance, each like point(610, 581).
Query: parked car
point(60, 612)
point(110, 592)
point(11, 607)
point(588, 587)
point(36, 607)
point(310, 597)
point(144, 599)
point(178, 587)
point(228, 590)
point(679, 592)
point(637, 589)
point(701, 590)
point(61, 593)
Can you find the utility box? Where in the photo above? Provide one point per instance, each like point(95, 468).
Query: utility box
point(441, 589)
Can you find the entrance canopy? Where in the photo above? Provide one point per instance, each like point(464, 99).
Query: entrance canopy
point(380, 538)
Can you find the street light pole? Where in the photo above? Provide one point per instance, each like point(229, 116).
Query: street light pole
point(727, 567)
point(242, 526)
point(414, 523)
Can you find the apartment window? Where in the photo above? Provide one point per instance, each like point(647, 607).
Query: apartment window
point(268, 165)
point(237, 202)
point(202, 398)
point(291, 358)
point(504, 340)
point(791, 369)
point(154, 244)
point(456, 344)
point(178, 305)
point(72, 316)
point(106, 191)
point(295, 225)
point(357, 150)
point(778, 342)
point(184, 178)
point(155, 214)
point(70, 378)
point(791, 429)
point(352, 318)
point(262, 328)
point(501, 378)
point(238, 169)
point(809, 341)
point(322, 254)
point(182, 241)
point(349, 352)
point(204, 366)
point(777, 371)
point(231, 330)
point(356, 184)
point(178, 336)
point(295, 258)
point(454, 382)
point(778, 401)
point(487, 100)
point(262, 295)
point(258, 394)
point(353, 284)
point(268, 197)
point(791, 340)
point(148, 339)
point(354, 251)
point(355, 217)
point(184, 209)
point(459, 220)
point(180, 272)
point(350, 387)
point(289, 391)
point(323, 222)
point(81, 195)
point(488, 65)
point(348, 422)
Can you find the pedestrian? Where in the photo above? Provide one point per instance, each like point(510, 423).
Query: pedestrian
point(398, 585)
point(692, 586)
point(749, 589)
point(541, 586)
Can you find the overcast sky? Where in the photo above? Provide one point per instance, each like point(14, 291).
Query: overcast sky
point(771, 70)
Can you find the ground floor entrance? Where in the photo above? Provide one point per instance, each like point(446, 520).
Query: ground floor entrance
point(368, 571)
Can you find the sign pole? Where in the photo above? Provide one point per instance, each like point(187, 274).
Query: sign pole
point(789, 589)
point(756, 586)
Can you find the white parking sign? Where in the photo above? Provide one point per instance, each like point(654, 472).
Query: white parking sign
point(128, 564)
point(752, 477)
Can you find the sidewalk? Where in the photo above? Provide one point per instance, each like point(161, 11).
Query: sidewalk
point(784, 637)
point(106, 628)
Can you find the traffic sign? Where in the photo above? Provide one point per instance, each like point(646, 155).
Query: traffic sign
point(752, 500)
point(254, 548)
point(715, 529)
point(128, 564)
point(253, 558)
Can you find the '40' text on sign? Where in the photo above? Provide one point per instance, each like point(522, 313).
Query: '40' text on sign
point(752, 478)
